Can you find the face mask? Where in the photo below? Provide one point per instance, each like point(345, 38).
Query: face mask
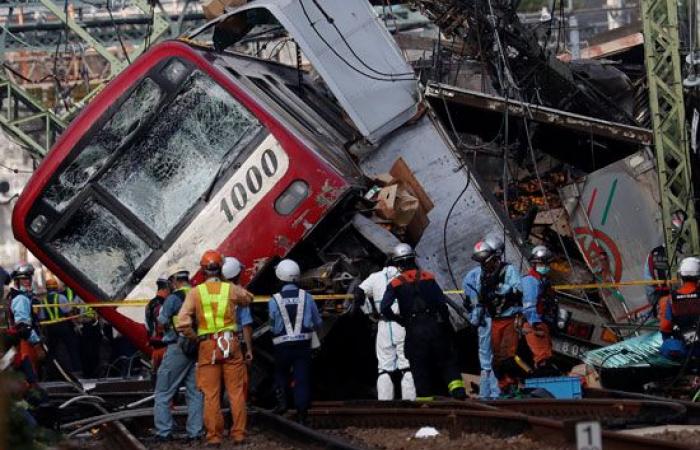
point(542, 270)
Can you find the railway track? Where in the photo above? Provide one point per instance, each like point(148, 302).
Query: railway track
point(542, 420)
point(473, 418)
point(612, 413)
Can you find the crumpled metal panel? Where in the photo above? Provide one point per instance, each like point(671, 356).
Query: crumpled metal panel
point(428, 153)
point(359, 61)
point(641, 351)
point(614, 215)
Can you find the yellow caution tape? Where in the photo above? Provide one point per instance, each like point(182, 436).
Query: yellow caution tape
point(62, 319)
point(134, 303)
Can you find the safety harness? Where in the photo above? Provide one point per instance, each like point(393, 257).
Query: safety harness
point(497, 304)
point(216, 326)
point(291, 333)
point(685, 306)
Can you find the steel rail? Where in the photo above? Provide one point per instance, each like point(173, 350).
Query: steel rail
point(611, 412)
point(458, 421)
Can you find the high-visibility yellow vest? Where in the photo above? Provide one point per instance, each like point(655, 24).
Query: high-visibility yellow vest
point(53, 311)
point(215, 324)
point(87, 312)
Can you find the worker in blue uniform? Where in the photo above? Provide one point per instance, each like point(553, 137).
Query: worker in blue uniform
point(24, 323)
point(293, 319)
point(492, 290)
point(177, 367)
point(231, 271)
point(423, 313)
point(61, 338)
point(540, 311)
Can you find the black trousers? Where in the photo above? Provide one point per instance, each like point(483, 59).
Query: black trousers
point(90, 343)
point(63, 344)
point(430, 352)
point(294, 356)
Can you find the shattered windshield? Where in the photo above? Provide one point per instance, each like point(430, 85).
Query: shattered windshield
point(102, 144)
point(161, 176)
point(100, 246)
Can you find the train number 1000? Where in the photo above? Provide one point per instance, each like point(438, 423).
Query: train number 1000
point(250, 184)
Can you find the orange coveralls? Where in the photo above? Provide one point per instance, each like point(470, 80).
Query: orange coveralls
point(212, 366)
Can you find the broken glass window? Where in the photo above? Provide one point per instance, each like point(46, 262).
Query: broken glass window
point(102, 144)
point(167, 169)
point(96, 243)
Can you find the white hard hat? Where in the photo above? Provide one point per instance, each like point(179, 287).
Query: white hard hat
point(690, 267)
point(403, 251)
point(487, 248)
point(23, 270)
point(288, 270)
point(540, 254)
point(231, 268)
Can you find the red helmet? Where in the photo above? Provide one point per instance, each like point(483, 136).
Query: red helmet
point(211, 261)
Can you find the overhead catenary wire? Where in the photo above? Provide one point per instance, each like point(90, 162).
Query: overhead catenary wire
point(511, 84)
point(118, 31)
point(331, 21)
point(344, 60)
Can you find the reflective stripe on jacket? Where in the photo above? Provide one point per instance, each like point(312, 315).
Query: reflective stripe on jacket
point(214, 307)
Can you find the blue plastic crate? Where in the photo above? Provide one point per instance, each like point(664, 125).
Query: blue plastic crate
point(559, 387)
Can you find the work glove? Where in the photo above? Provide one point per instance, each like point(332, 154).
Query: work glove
point(358, 300)
point(156, 343)
point(23, 330)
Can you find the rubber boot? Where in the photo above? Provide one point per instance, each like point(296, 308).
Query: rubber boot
point(281, 398)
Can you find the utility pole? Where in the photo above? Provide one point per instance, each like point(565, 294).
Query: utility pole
point(663, 66)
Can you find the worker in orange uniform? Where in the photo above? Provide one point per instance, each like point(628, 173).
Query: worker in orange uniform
point(679, 313)
point(540, 310)
point(213, 305)
point(493, 299)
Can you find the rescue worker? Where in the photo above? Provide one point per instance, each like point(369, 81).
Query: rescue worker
point(24, 323)
point(423, 313)
point(154, 328)
point(61, 337)
point(680, 313)
point(294, 318)
point(213, 305)
point(90, 335)
point(231, 272)
point(540, 310)
point(391, 336)
point(177, 367)
point(657, 266)
point(492, 290)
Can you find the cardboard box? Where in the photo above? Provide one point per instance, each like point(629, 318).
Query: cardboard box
point(214, 8)
point(403, 200)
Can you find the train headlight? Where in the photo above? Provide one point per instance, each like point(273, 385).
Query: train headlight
point(39, 224)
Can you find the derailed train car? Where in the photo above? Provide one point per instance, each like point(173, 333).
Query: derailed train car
point(196, 147)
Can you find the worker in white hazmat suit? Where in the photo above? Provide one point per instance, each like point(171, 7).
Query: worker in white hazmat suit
point(390, 336)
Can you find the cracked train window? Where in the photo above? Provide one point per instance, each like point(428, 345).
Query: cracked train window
point(103, 143)
point(96, 242)
point(163, 173)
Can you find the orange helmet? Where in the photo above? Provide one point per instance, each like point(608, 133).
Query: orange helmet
point(52, 284)
point(211, 261)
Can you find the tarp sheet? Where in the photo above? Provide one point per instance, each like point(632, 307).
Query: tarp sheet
point(641, 351)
